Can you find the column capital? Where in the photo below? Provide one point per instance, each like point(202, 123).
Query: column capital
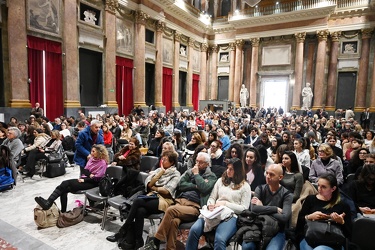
point(214, 48)
point(204, 47)
point(367, 33)
point(159, 25)
point(177, 36)
point(240, 43)
point(335, 36)
point(255, 41)
point(322, 35)
point(300, 37)
point(191, 42)
point(111, 5)
point(232, 46)
point(141, 17)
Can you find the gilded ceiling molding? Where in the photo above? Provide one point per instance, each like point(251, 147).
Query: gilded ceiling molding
point(300, 37)
point(367, 33)
point(204, 47)
point(255, 41)
point(177, 36)
point(141, 17)
point(322, 35)
point(168, 31)
point(349, 36)
point(111, 5)
point(184, 38)
point(335, 36)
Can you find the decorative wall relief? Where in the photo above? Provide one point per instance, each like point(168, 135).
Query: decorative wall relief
point(124, 36)
point(276, 55)
point(196, 60)
point(90, 15)
point(168, 51)
point(44, 16)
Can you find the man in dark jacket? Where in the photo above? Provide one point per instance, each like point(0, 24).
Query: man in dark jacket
point(86, 139)
point(274, 200)
point(195, 187)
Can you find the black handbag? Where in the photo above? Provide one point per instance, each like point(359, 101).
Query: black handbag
point(106, 186)
point(56, 156)
point(324, 232)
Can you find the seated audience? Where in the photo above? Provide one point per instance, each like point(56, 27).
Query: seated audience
point(93, 172)
point(275, 200)
point(253, 168)
point(232, 192)
point(193, 191)
point(161, 182)
point(292, 176)
point(327, 204)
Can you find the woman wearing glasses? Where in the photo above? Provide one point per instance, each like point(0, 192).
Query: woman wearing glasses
point(217, 158)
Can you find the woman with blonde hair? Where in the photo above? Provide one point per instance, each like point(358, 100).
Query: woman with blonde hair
point(91, 175)
point(325, 163)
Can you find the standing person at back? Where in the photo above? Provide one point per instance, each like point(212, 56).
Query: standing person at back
point(86, 139)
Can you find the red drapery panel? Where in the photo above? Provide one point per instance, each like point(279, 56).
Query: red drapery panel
point(124, 85)
point(195, 91)
point(167, 88)
point(40, 50)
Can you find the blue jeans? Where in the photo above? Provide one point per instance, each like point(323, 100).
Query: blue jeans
point(224, 231)
point(305, 246)
point(277, 243)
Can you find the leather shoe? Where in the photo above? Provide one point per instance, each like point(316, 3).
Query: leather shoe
point(113, 238)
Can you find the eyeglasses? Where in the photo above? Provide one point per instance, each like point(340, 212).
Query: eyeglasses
point(362, 153)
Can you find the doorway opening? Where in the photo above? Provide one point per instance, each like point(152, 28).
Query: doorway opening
point(275, 92)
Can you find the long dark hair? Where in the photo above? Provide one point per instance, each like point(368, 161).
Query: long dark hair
point(239, 174)
point(256, 163)
point(238, 148)
point(294, 162)
point(332, 180)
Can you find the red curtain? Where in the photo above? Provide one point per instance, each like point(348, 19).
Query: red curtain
point(52, 73)
point(167, 88)
point(124, 85)
point(195, 91)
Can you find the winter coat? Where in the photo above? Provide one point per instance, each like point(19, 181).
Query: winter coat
point(132, 160)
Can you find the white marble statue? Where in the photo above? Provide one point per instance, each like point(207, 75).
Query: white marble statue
point(244, 94)
point(307, 96)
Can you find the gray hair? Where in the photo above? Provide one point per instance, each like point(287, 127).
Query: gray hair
point(15, 129)
point(94, 122)
point(205, 156)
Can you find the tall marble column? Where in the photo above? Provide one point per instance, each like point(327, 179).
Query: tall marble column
point(319, 69)
point(70, 60)
point(159, 64)
point(298, 70)
point(214, 86)
point(139, 59)
point(360, 103)
point(189, 80)
point(254, 71)
point(238, 72)
point(332, 72)
point(372, 97)
point(19, 88)
point(203, 73)
point(110, 54)
point(232, 62)
point(176, 70)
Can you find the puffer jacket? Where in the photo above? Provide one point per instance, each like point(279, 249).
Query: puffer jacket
point(40, 141)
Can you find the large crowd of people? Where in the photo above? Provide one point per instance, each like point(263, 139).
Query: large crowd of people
point(244, 159)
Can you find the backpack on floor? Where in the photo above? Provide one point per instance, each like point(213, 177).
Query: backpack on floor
point(46, 218)
point(54, 169)
point(71, 218)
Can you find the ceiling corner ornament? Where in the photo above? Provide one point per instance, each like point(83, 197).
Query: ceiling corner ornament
point(367, 33)
point(300, 37)
point(335, 36)
point(141, 17)
point(322, 35)
point(255, 41)
point(111, 5)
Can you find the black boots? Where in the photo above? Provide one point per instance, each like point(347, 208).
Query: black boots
point(115, 237)
point(46, 204)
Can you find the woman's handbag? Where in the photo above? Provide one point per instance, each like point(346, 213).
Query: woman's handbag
point(56, 156)
point(324, 232)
